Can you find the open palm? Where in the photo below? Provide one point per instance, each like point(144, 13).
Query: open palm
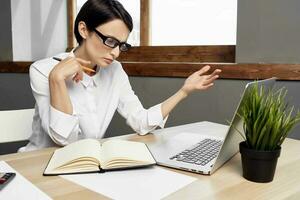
point(199, 81)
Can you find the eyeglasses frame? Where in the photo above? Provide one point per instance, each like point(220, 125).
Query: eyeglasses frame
point(118, 43)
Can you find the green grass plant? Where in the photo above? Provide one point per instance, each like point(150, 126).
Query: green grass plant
point(267, 118)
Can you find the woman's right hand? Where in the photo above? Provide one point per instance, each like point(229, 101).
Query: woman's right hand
point(69, 67)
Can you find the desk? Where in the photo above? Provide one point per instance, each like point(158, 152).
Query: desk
point(226, 183)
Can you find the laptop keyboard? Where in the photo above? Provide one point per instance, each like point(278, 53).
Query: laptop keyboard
point(200, 153)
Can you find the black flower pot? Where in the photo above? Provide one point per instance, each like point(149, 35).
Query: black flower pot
point(258, 166)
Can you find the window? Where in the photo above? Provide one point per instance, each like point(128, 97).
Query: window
point(179, 61)
point(194, 22)
point(185, 22)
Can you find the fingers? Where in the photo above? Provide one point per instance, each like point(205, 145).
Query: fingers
point(70, 67)
point(78, 68)
point(78, 77)
point(83, 62)
point(203, 70)
point(67, 60)
point(79, 63)
point(216, 72)
point(208, 86)
point(205, 87)
point(212, 77)
point(211, 80)
point(206, 68)
point(79, 60)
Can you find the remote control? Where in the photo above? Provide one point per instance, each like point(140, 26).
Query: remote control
point(5, 178)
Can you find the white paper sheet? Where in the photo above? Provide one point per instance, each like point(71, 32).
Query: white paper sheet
point(19, 187)
point(146, 183)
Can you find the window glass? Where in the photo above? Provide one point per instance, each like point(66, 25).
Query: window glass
point(194, 22)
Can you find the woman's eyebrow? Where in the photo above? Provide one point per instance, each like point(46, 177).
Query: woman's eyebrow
point(115, 38)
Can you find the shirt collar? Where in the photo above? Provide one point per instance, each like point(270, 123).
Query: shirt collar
point(96, 77)
point(88, 81)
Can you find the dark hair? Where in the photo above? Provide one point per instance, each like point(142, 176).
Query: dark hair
point(97, 12)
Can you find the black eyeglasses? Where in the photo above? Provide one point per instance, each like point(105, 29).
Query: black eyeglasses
point(113, 42)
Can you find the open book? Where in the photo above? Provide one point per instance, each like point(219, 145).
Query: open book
point(89, 155)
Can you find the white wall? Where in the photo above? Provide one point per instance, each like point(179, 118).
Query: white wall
point(39, 28)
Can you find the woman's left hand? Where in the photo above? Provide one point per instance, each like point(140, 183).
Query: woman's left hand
point(199, 81)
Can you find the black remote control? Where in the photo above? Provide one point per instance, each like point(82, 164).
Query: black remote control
point(5, 178)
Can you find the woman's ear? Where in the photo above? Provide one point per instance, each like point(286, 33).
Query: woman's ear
point(82, 29)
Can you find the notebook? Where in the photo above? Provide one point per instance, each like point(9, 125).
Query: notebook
point(89, 155)
point(204, 146)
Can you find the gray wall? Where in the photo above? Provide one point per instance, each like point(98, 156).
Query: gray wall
point(216, 105)
point(268, 31)
point(15, 91)
point(6, 34)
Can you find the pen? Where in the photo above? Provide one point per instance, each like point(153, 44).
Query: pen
point(83, 67)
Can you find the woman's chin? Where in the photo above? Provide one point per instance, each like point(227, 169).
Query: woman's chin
point(104, 63)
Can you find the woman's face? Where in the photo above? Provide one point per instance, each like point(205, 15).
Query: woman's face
point(97, 51)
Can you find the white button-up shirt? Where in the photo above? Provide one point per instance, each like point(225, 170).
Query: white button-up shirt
point(95, 100)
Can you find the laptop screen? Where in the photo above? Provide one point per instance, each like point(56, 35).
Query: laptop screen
point(231, 143)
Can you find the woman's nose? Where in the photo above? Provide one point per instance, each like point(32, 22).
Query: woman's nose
point(115, 52)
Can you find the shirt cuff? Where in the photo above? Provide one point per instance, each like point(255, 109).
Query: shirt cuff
point(155, 117)
point(62, 123)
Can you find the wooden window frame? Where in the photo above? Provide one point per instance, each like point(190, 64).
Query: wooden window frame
point(175, 61)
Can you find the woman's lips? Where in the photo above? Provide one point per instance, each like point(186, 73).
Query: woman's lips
point(108, 60)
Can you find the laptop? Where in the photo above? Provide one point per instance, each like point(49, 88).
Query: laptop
point(202, 147)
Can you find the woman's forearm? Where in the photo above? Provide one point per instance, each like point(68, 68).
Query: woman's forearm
point(196, 81)
point(169, 104)
point(59, 97)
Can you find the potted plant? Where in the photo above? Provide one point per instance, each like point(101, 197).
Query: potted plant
point(267, 120)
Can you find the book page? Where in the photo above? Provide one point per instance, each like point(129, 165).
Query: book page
point(87, 149)
point(121, 153)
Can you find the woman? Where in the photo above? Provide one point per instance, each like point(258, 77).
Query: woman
point(73, 103)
